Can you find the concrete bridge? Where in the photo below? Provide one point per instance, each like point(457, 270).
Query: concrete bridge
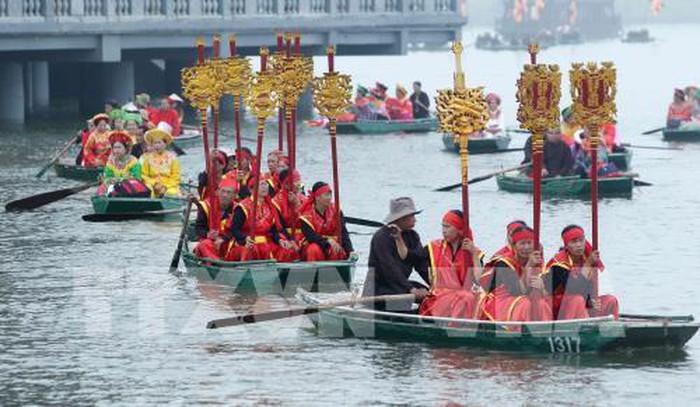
point(91, 50)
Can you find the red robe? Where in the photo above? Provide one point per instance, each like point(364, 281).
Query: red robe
point(506, 299)
point(206, 247)
point(324, 227)
point(570, 290)
point(450, 290)
point(288, 215)
point(171, 117)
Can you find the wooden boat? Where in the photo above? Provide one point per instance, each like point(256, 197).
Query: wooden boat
point(571, 186)
point(479, 145)
point(388, 126)
point(682, 135)
point(171, 205)
point(622, 160)
point(271, 277)
point(78, 172)
point(190, 136)
point(572, 336)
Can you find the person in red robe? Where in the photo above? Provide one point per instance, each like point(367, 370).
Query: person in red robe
point(211, 241)
point(508, 248)
point(512, 288)
point(242, 173)
point(268, 240)
point(273, 170)
point(219, 162)
point(570, 279)
point(166, 114)
point(320, 229)
point(288, 203)
point(97, 147)
point(680, 111)
point(400, 107)
point(455, 264)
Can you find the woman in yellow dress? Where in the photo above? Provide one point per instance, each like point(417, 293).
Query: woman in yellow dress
point(160, 169)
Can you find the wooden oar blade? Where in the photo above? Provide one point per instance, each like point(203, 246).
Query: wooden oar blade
point(125, 216)
point(638, 183)
point(654, 131)
point(175, 262)
point(46, 198)
point(362, 222)
point(448, 187)
point(268, 316)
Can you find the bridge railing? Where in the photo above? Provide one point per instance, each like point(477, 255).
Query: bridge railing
point(28, 11)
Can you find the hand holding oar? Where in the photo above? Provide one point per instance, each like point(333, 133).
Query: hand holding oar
point(68, 145)
point(183, 233)
point(46, 198)
point(124, 216)
point(294, 312)
point(654, 131)
point(483, 178)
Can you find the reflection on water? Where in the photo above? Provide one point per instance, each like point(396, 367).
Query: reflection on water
point(89, 313)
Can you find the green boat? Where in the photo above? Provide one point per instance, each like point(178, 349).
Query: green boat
point(682, 135)
point(480, 145)
point(388, 126)
point(271, 277)
point(571, 186)
point(77, 172)
point(571, 336)
point(622, 160)
point(190, 136)
point(171, 205)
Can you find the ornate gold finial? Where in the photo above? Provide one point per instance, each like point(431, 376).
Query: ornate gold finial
point(264, 51)
point(593, 91)
point(332, 92)
point(533, 49)
point(200, 41)
point(459, 80)
point(232, 37)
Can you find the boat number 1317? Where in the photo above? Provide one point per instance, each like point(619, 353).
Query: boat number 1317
point(566, 344)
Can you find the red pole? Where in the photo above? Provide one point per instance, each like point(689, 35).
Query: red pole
point(258, 151)
point(334, 157)
point(232, 45)
point(236, 102)
point(537, 147)
point(463, 153)
point(281, 111)
point(216, 46)
point(594, 202)
point(293, 158)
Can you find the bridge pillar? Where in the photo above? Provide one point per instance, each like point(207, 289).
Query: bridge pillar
point(28, 88)
point(40, 86)
point(12, 95)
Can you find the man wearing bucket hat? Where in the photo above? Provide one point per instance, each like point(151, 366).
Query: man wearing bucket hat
point(390, 257)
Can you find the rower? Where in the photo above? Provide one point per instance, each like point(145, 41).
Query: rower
point(583, 159)
point(455, 265)
point(288, 203)
point(211, 241)
point(680, 111)
point(570, 279)
point(242, 172)
point(160, 168)
point(399, 107)
point(420, 102)
point(219, 163)
point(267, 241)
point(390, 264)
point(556, 156)
point(511, 283)
point(273, 170)
point(508, 248)
point(319, 226)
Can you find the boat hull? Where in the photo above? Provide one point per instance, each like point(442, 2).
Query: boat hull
point(575, 336)
point(388, 126)
point(623, 160)
point(188, 138)
point(271, 277)
point(478, 146)
point(102, 204)
point(682, 135)
point(77, 172)
point(568, 186)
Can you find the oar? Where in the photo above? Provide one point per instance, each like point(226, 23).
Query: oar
point(674, 318)
point(654, 131)
point(294, 312)
point(519, 131)
point(652, 147)
point(179, 151)
point(483, 178)
point(65, 148)
point(638, 183)
point(118, 217)
point(46, 198)
point(362, 222)
point(183, 233)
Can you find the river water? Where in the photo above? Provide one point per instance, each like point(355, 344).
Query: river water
point(90, 315)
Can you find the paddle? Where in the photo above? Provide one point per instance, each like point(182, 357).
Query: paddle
point(482, 178)
point(674, 318)
point(638, 183)
point(183, 233)
point(118, 217)
point(293, 312)
point(654, 131)
point(179, 151)
point(46, 198)
point(362, 222)
point(69, 144)
point(652, 147)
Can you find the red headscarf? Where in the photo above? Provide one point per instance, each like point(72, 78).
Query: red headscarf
point(577, 232)
point(523, 234)
point(325, 188)
point(454, 219)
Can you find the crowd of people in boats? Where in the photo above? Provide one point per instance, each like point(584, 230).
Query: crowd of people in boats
point(376, 104)
point(684, 111)
point(567, 150)
point(130, 141)
point(514, 284)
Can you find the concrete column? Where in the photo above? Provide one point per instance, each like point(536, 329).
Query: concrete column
point(27, 85)
point(118, 81)
point(12, 95)
point(40, 86)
